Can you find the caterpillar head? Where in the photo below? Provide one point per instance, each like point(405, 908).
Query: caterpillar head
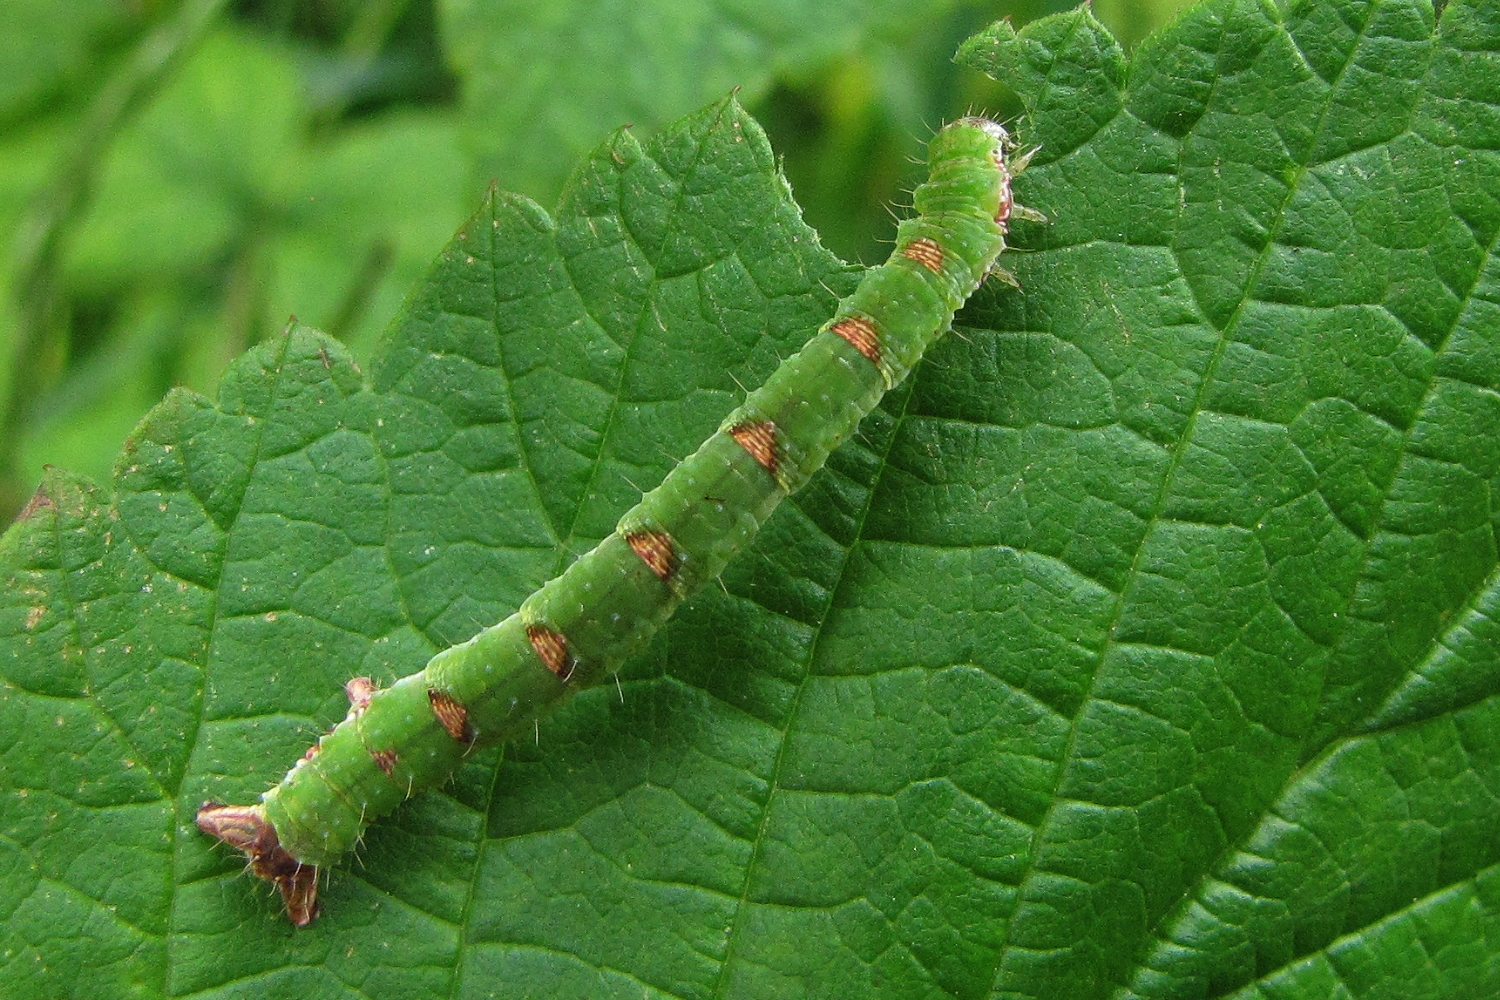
point(992, 128)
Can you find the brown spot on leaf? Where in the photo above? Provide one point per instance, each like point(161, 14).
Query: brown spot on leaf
point(453, 717)
point(552, 648)
point(758, 437)
point(40, 500)
point(862, 334)
point(34, 614)
point(385, 760)
point(656, 551)
point(925, 252)
point(246, 829)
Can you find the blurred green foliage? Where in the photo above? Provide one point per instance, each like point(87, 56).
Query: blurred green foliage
point(179, 178)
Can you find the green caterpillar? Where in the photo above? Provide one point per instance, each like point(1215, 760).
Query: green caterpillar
point(582, 626)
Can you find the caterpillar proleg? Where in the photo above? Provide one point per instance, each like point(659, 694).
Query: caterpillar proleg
point(580, 627)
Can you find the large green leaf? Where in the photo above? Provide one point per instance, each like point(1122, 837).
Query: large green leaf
point(1142, 645)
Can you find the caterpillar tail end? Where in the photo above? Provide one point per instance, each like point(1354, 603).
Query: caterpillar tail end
point(246, 829)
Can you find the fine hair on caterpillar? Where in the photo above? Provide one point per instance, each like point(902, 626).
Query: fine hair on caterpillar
point(580, 627)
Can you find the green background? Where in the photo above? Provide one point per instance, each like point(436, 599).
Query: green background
point(1142, 644)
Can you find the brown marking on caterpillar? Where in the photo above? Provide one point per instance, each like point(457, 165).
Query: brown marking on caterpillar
point(242, 827)
point(299, 893)
point(861, 333)
point(453, 717)
point(385, 760)
point(926, 252)
point(552, 649)
point(246, 829)
point(360, 690)
point(657, 551)
point(758, 437)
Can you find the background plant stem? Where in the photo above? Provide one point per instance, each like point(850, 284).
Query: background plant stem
point(40, 346)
